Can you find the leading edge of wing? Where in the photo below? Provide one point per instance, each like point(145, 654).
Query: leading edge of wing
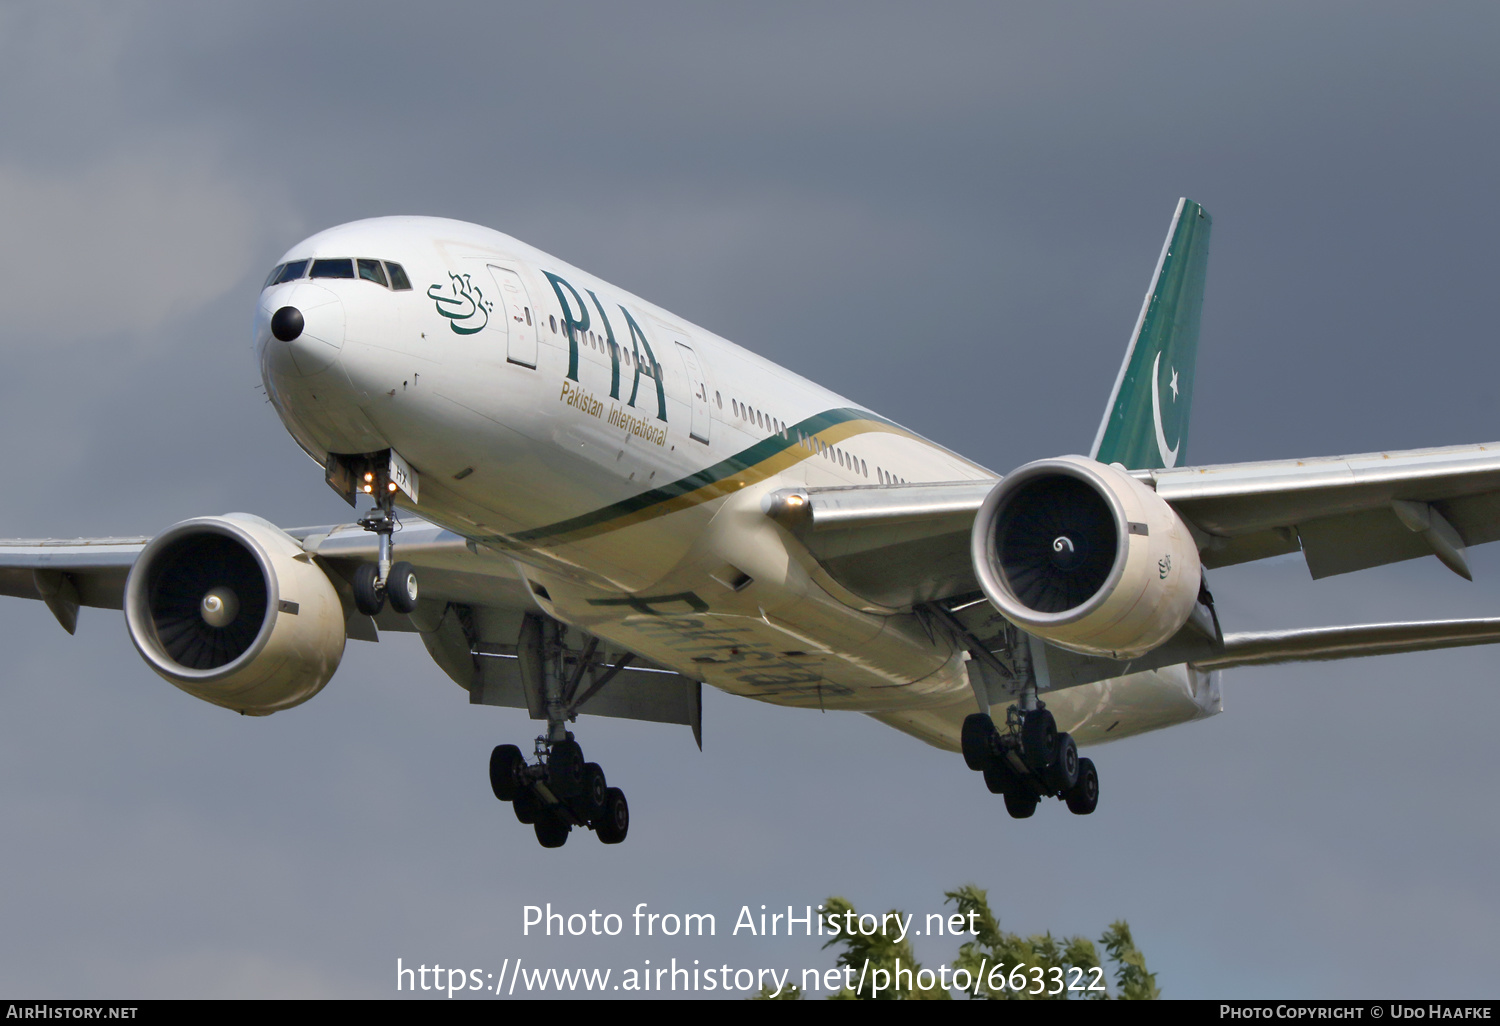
point(892, 545)
point(1237, 498)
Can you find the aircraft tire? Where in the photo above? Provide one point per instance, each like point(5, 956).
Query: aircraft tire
point(401, 587)
point(975, 739)
point(1062, 771)
point(1020, 805)
point(999, 778)
point(506, 764)
point(615, 823)
point(551, 832)
point(1038, 740)
point(595, 794)
point(528, 807)
point(1083, 797)
point(368, 599)
point(565, 768)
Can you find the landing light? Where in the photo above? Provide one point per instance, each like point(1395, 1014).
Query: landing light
point(391, 486)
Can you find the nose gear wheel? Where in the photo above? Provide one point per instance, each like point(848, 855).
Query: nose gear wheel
point(384, 580)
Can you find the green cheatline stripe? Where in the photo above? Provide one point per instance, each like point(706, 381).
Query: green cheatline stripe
point(741, 461)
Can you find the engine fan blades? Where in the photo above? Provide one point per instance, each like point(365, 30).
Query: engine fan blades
point(182, 576)
point(1056, 543)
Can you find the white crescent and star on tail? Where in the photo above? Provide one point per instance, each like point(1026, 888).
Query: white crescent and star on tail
point(1168, 456)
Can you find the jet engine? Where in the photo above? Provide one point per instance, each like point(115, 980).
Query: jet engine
point(232, 611)
point(1087, 557)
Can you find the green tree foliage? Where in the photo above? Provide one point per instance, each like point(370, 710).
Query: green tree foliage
point(1131, 977)
point(885, 960)
point(1039, 967)
point(1044, 967)
point(997, 965)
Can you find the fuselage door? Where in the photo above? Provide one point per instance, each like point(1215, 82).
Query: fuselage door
point(518, 316)
point(698, 386)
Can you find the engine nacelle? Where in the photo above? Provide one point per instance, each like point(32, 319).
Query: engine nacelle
point(1085, 556)
point(232, 611)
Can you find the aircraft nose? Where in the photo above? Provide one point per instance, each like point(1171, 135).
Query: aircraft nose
point(308, 326)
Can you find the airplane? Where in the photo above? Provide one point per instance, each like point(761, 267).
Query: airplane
point(585, 505)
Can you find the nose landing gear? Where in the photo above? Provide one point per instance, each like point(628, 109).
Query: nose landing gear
point(375, 583)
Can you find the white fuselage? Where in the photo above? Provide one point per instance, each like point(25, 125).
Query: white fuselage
point(620, 456)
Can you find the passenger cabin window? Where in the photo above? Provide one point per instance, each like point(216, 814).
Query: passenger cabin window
point(370, 270)
point(342, 267)
point(292, 271)
point(399, 281)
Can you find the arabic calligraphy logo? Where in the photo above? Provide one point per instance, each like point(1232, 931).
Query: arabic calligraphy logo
point(462, 302)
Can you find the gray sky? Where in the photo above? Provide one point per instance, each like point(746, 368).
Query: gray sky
point(948, 213)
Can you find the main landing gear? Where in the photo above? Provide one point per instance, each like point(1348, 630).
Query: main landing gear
point(375, 583)
point(1029, 761)
point(559, 792)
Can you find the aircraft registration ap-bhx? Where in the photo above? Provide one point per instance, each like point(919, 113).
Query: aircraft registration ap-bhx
point(585, 505)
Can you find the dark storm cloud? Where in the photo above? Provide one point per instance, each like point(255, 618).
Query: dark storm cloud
point(946, 213)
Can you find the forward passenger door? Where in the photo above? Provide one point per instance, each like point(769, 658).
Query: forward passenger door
point(517, 316)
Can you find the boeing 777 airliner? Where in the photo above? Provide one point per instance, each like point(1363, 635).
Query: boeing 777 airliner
point(585, 505)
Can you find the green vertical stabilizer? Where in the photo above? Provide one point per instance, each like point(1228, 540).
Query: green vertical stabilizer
point(1146, 423)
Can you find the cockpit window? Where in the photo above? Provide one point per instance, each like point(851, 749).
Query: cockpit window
point(271, 278)
point(292, 271)
point(341, 268)
point(370, 270)
point(399, 281)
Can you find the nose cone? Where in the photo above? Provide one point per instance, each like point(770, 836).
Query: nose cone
point(307, 324)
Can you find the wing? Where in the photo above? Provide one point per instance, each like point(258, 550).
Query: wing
point(995, 641)
point(473, 615)
point(1344, 512)
point(891, 546)
point(66, 574)
point(897, 545)
point(907, 545)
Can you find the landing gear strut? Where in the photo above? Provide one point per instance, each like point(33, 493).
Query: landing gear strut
point(1030, 760)
point(374, 583)
point(560, 790)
